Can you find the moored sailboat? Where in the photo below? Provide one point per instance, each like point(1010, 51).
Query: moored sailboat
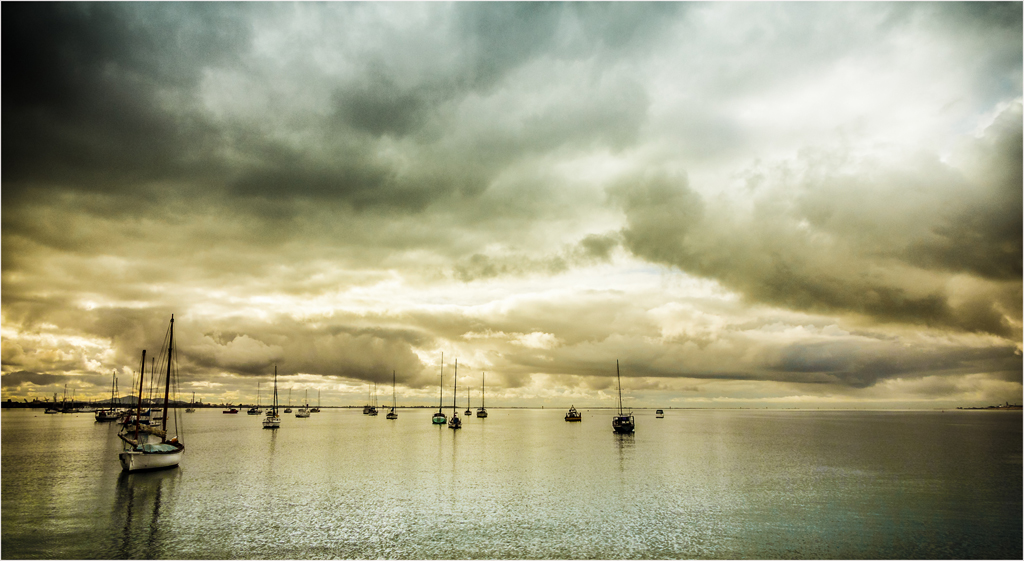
point(289, 408)
point(303, 412)
point(394, 400)
point(439, 418)
point(623, 422)
point(273, 421)
point(373, 402)
point(192, 407)
point(455, 422)
point(317, 408)
point(145, 446)
point(110, 413)
point(482, 411)
point(256, 410)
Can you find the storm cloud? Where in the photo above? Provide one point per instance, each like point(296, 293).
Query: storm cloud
point(749, 203)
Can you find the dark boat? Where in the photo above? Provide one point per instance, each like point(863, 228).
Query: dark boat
point(455, 422)
point(439, 418)
point(623, 422)
point(482, 411)
point(394, 400)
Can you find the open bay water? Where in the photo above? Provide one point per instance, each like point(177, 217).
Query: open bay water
point(523, 484)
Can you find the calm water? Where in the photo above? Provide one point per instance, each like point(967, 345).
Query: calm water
point(523, 484)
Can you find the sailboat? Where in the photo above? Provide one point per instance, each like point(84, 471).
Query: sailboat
point(145, 446)
point(455, 422)
point(303, 412)
point(482, 412)
point(394, 400)
point(373, 402)
point(109, 414)
point(623, 422)
point(192, 408)
point(439, 417)
point(317, 408)
point(289, 408)
point(256, 410)
point(469, 408)
point(272, 421)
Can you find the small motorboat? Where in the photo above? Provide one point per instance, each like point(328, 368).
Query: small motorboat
point(659, 414)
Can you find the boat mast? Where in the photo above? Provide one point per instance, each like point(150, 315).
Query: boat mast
point(138, 404)
point(440, 403)
point(483, 377)
point(394, 400)
point(620, 385)
point(167, 386)
point(274, 407)
point(455, 392)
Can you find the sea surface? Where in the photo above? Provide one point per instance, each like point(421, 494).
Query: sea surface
point(523, 484)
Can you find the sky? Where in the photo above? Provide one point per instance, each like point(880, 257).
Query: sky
point(781, 205)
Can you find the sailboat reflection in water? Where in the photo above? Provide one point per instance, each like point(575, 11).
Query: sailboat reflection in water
point(145, 445)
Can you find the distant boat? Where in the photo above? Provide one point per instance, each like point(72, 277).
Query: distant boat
point(623, 422)
point(439, 418)
point(659, 414)
point(230, 411)
point(394, 400)
point(145, 446)
point(469, 408)
point(373, 402)
point(455, 422)
point(111, 414)
point(573, 415)
point(256, 410)
point(303, 412)
point(192, 408)
point(482, 412)
point(317, 408)
point(273, 421)
point(289, 408)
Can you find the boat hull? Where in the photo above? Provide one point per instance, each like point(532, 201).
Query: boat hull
point(623, 424)
point(481, 413)
point(141, 461)
point(439, 419)
point(272, 423)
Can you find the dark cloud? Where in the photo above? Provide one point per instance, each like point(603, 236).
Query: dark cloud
point(89, 89)
point(15, 379)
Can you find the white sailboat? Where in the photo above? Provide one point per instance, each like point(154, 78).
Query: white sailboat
point(146, 446)
point(273, 421)
point(303, 412)
point(394, 400)
point(192, 407)
point(482, 411)
point(289, 408)
point(439, 418)
point(623, 422)
point(455, 422)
